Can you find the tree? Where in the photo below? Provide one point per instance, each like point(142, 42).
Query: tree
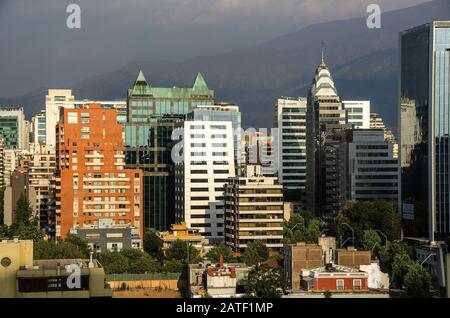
point(173, 266)
point(23, 211)
point(153, 244)
point(56, 250)
point(370, 240)
point(294, 229)
point(25, 226)
point(400, 268)
point(183, 251)
point(4, 233)
point(388, 252)
point(313, 231)
point(214, 254)
point(264, 282)
point(302, 228)
point(255, 253)
point(417, 281)
point(29, 232)
point(369, 215)
point(80, 243)
point(113, 262)
point(140, 262)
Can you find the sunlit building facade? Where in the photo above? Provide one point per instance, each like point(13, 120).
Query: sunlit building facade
point(424, 114)
point(152, 114)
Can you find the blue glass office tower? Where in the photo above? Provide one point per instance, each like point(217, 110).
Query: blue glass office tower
point(151, 116)
point(425, 129)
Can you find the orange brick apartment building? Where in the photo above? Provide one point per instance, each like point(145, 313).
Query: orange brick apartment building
point(92, 182)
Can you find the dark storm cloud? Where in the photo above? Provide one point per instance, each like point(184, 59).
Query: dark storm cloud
point(37, 49)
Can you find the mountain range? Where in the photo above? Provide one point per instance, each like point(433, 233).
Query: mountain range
point(363, 61)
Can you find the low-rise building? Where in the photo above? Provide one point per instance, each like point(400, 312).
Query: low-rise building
point(377, 279)
point(23, 277)
point(107, 236)
point(334, 278)
point(183, 233)
point(217, 280)
point(300, 256)
point(352, 257)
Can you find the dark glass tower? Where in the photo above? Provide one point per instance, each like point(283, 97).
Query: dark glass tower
point(151, 116)
point(424, 129)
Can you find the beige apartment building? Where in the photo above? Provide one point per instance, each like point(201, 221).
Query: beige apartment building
point(23, 277)
point(41, 176)
point(253, 210)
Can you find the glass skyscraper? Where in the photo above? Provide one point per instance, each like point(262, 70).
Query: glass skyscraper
point(424, 134)
point(12, 127)
point(151, 116)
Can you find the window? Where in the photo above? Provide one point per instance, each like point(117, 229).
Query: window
point(339, 284)
point(198, 145)
point(200, 216)
point(219, 145)
point(218, 127)
point(72, 118)
point(356, 284)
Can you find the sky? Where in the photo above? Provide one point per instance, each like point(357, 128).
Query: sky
point(37, 48)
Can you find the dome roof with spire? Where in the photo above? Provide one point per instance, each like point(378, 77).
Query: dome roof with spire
point(323, 84)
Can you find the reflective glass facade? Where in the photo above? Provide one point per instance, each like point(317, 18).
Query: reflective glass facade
point(11, 127)
point(9, 132)
point(424, 121)
point(151, 117)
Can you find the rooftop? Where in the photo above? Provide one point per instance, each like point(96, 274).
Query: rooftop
point(141, 87)
point(56, 267)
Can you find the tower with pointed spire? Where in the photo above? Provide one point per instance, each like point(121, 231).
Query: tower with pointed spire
point(152, 113)
point(326, 118)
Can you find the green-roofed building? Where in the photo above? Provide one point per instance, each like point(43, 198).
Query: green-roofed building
point(151, 116)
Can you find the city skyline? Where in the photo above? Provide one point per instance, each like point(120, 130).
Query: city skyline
point(163, 188)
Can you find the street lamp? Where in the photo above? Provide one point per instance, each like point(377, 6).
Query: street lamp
point(426, 259)
point(294, 226)
point(342, 244)
point(353, 233)
point(384, 235)
point(325, 223)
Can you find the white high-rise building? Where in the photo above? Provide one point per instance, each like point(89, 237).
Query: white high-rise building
point(358, 113)
point(208, 162)
point(38, 128)
point(54, 101)
point(290, 146)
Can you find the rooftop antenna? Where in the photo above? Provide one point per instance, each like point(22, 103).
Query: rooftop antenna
point(323, 54)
